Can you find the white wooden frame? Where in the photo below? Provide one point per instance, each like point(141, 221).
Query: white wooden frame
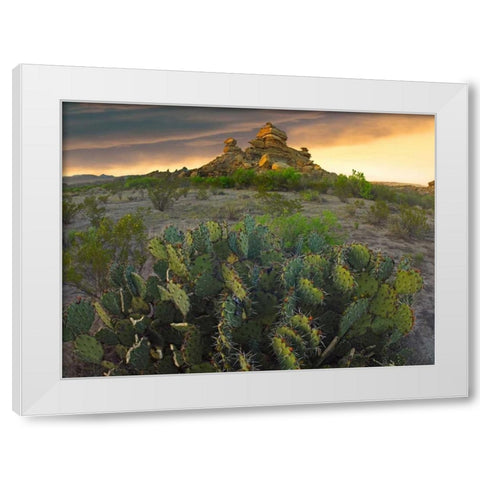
point(38, 388)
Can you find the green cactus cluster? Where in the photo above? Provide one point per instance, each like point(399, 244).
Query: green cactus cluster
point(233, 299)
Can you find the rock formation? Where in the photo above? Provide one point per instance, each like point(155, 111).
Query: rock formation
point(268, 151)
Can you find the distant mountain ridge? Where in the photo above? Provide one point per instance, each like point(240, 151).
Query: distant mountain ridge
point(84, 179)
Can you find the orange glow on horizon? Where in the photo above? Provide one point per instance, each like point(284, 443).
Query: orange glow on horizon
point(401, 158)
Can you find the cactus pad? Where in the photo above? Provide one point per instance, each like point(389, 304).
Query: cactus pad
point(138, 356)
point(384, 302)
point(367, 285)
point(107, 336)
point(214, 230)
point(112, 303)
point(158, 249)
point(383, 267)
point(342, 279)
point(408, 282)
point(172, 235)
point(89, 349)
point(233, 282)
point(80, 317)
point(404, 319)
point(309, 294)
point(284, 354)
point(352, 315)
point(358, 257)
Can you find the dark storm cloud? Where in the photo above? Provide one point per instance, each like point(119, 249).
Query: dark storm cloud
point(106, 136)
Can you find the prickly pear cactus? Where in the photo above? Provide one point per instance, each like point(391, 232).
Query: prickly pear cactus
point(88, 349)
point(79, 319)
point(233, 299)
point(358, 256)
point(343, 280)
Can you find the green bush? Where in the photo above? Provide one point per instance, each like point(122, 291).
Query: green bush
point(235, 300)
point(378, 213)
point(275, 203)
point(92, 209)
point(69, 210)
point(164, 191)
point(342, 188)
point(244, 177)
point(383, 192)
point(88, 258)
point(231, 211)
point(359, 185)
point(292, 227)
point(404, 196)
point(411, 222)
point(351, 208)
point(202, 193)
point(278, 180)
point(140, 182)
point(219, 182)
point(354, 185)
point(310, 195)
point(314, 183)
point(116, 187)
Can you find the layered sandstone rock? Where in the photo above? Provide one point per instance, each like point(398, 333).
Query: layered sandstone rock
point(267, 151)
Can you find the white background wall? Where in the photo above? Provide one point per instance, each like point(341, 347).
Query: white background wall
point(408, 40)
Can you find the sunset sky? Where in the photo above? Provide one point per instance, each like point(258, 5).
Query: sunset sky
point(136, 139)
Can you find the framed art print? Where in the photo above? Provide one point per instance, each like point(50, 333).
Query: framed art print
point(203, 240)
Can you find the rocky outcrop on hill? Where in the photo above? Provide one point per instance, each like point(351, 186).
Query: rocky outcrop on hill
point(268, 151)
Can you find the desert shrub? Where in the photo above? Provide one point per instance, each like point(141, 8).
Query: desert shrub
point(69, 210)
point(231, 211)
point(244, 177)
point(278, 180)
point(225, 299)
point(351, 208)
point(116, 187)
point(341, 187)
point(202, 193)
point(164, 191)
point(290, 228)
point(359, 185)
point(275, 203)
point(404, 196)
point(140, 182)
point(91, 252)
point(354, 185)
point(411, 222)
point(416, 259)
point(427, 201)
point(310, 195)
point(223, 182)
point(92, 208)
point(219, 182)
point(383, 192)
point(378, 213)
point(314, 182)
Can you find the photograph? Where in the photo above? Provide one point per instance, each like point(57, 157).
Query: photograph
point(211, 239)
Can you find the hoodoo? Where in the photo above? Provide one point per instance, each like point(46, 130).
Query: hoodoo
point(267, 151)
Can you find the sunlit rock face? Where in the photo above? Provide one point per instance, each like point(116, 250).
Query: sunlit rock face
point(268, 151)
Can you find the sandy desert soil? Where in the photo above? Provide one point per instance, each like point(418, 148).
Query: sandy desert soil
point(230, 206)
